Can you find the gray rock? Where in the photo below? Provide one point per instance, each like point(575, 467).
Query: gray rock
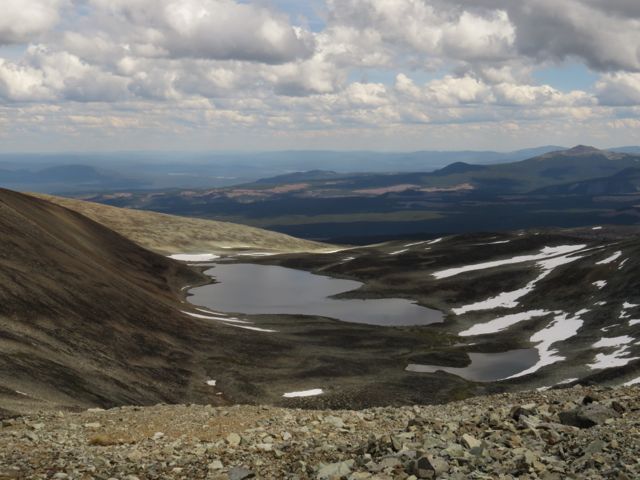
point(520, 411)
point(429, 467)
point(595, 447)
point(240, 473)
point(233, 439)
point(470, 441)
point(337, 469)
point(587, 416)
point(390, 462)
point(335, 421)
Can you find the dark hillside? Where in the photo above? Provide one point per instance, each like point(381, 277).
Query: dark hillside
point(86, 316)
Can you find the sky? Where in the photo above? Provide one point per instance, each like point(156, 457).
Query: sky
point(394, 75)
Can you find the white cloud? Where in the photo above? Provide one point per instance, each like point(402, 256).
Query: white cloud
point(22, 83)
point(214, 29)
point(23, 20)
point(474, 37)
point(587, 29)
point(45, 75)
point(457, 90)
point(619, 89)
point(376, 68)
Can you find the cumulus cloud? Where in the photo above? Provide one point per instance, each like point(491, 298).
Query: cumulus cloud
point(23, 20)
point(559, 30)
point(376, 65)
point(214, 29)
point(602, 33)
point(426, 28)
point(619, 89)
point(45, 75)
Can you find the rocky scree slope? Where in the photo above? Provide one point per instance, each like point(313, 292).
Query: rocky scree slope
point(575, 433)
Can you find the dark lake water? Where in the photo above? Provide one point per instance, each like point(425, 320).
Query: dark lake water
point(487, 367)
point(265, 289)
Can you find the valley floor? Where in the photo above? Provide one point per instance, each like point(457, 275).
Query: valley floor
point(577, 433)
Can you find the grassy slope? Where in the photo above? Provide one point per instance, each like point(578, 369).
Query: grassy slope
point(172, 234)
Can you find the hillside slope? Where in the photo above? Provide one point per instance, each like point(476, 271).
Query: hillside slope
point(89, 318)
point(170, 234)
point(86, 316)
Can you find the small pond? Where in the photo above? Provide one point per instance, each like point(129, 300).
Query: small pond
point(266, 289)
point(487, 367)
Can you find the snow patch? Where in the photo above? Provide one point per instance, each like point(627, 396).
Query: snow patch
point(563, 327)
point(502, 323)
point(211, 312)
point(563, 382)
point(613, 342)
point(503, 300)
point(635, 381)
point(596, 228)
point(255, 329)
point(568, 380)
point(546, 252)
point(211, 383)
point(211, 317)
point(399, 252)
point(610, 259)
point(626, 306)
point(305, 393)
point(196, 257)
point(600, 284)
point(510, 299)
point(416, 243)
point(433, 242)
point(618, 358)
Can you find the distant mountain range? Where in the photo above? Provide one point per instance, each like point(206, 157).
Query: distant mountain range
point(160, 170)
point(552, 168)
point(67, 177)
point(570, 187)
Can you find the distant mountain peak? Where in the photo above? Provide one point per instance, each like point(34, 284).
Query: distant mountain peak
point(583, 149)
point(458, 167)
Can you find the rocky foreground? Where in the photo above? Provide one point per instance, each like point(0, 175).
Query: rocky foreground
point(581, 433)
